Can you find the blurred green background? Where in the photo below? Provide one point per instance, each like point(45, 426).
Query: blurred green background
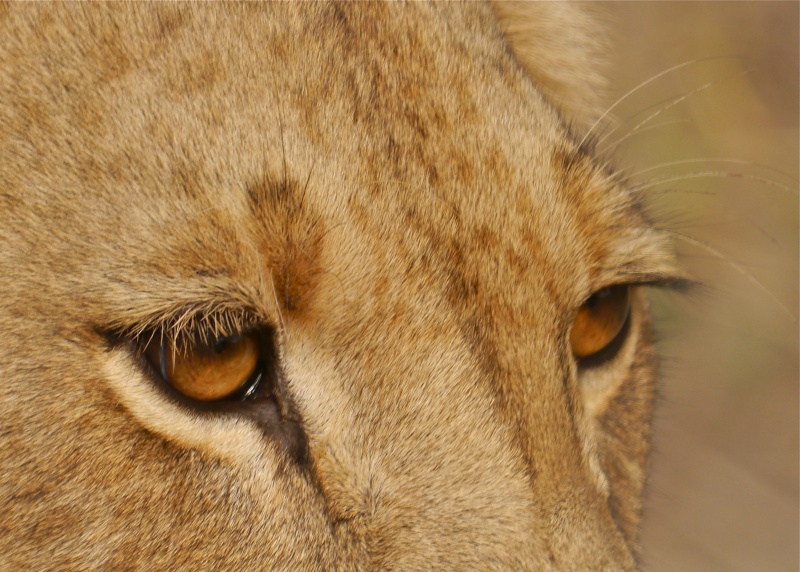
point(715, 145)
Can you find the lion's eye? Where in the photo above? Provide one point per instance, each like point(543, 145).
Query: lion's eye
point(229, 367)
point(600, 320)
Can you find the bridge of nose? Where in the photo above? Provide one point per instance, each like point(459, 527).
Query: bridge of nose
point(570, 503)
point(518, 338)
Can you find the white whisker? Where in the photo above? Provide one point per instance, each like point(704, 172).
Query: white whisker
point(719, 255)
point(673, 102)
point(640, 86)
point(278, 306)
point(710, 174)
point(704, 160)
point(628, 135)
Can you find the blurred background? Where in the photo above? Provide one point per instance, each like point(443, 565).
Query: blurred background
point(714, 144)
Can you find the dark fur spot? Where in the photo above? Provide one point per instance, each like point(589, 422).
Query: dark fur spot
point(169, 20)
point(291, 240)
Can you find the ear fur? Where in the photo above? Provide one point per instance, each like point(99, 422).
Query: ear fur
point(559, 45)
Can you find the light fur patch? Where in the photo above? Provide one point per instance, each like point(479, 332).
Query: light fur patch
point(599, 385)
point(229, 439)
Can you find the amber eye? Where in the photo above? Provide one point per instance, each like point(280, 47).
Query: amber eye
point(600, 320)
point(209, 372)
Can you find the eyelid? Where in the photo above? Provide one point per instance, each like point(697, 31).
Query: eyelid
point(676, 280)
point(634, 280)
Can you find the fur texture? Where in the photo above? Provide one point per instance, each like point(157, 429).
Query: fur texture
point(393, 193)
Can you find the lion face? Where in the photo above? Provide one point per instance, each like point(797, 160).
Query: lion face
point(311, 287)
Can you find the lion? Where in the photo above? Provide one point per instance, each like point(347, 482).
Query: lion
point(318, 287)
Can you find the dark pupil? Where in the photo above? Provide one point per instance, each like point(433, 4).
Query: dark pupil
point(595, 298)
point(222, 344)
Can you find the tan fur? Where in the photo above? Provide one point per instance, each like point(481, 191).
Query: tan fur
point(560, 45)
point(394, 195)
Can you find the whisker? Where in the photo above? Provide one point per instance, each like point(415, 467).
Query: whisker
point(672, 103)
point(680, 191)
point(719, 255)
point(306, 185)
point(339, 280)
point(710, 174)
point(278, 306)
point(735, 218)
point(642, 130)
point(642, 85)
point(711, 160)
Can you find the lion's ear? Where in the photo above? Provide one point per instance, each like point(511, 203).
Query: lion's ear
point(559, 44)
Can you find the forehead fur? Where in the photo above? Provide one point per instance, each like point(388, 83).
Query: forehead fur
point(340, 140)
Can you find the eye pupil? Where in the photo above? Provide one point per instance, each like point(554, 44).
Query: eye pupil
point(222, 344)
